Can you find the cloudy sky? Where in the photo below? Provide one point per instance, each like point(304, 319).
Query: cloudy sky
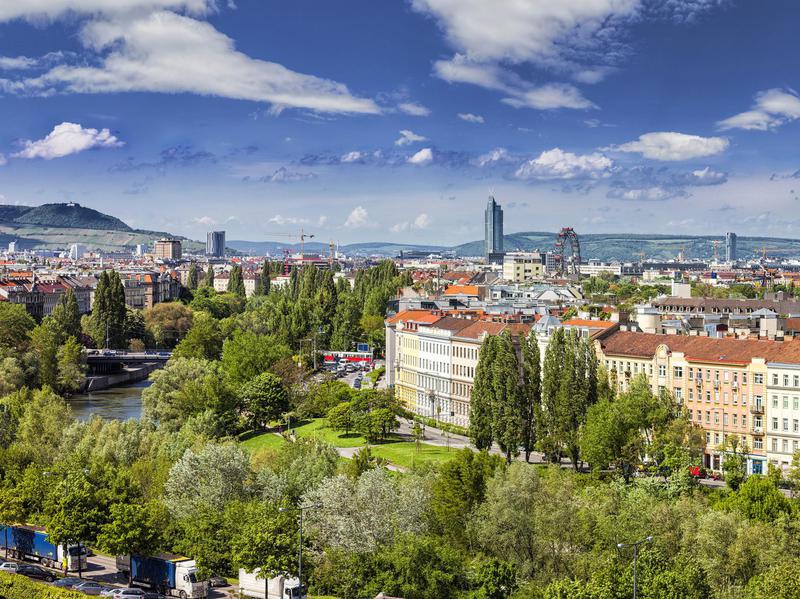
point(393, 120)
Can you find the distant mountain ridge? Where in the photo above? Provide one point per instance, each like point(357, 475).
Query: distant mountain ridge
point(59, 225)
point(71, 215)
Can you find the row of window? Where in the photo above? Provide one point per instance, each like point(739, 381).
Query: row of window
point(736, 420)
point(678, 393)
point(785, 425)
point(785, 403)
point(776, 380)
point(784, 446)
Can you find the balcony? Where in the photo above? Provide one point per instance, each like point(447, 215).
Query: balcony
point(756, 408)
point(758, 430)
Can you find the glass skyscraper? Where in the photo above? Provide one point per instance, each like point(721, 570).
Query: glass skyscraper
point(494, 228)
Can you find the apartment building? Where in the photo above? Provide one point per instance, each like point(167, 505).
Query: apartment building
point(520, 267)
point(783, 412)
point(722, 383)
point(431, 360)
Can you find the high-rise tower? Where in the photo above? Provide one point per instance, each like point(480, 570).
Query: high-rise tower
point(730, 247)
point(494, 228)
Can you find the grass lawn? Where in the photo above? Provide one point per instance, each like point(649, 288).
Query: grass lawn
point(399, 452)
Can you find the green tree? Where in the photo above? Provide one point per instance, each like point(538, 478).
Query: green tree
point(208, 281)
point(193, 276)
point(760, 499)
point(734, 462)
point(236, 281)
point(480, 417)
point(68, 316)
point(495, 579)
point(167, 323)
point(71, 365)
point(340, 417)
point(263, 399)
point(245, 355)
point(46, 339)
point(506, 399)
point(73, 514)
point(267, 541)
point(15, 325)
point(203, 340)
point(131, 529)
point(109, 311)
point(12, 376)
point(531, 392)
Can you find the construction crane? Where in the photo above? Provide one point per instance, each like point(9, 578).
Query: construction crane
point(641, 255)
point(764, 250)
point(716, 243)
point(302, 237)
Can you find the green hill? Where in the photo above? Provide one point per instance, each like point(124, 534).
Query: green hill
point(73, 216)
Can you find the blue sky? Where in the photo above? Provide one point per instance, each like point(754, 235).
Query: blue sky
point(393, 120)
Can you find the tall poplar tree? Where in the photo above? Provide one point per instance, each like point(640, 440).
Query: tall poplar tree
point(193, 276)
point(236, 281)
point(265, 280)
point(547, 433)
point(480, 406)
point(531, 392)
point(506, 397)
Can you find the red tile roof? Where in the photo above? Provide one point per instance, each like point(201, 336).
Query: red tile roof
point(701, 349)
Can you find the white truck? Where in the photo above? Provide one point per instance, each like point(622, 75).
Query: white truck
point(170, 575)
point(280, 587)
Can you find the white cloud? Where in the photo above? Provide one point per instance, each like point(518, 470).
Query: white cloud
point(287, 220)
point(495, 156)
point(352, 157)
point(66, 139)
point(408, 137)
point(421, 158)
point(12, 63)
point(358, 218)
point(170, 53)
point(423, 221)
point(671, 146)
point(518, 31)
point(557, 164)
point(204, 220)
point(708, 176)
point(650, 194)
point(3, 160)
point(471, 118)
point(550, 97)
point(414, 109)
point(520, 93)
point(284, 175)
point(51, 9)
point(772, 108)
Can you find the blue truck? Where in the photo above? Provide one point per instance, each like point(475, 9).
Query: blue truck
point(170, 575)
point(30, 543)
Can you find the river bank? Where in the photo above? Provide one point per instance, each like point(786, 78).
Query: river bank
point(127, 376)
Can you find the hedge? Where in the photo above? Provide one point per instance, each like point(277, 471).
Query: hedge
point(16, 586)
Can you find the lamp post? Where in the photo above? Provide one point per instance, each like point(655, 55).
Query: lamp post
point(300, 509)
point(635, 546)
point(65, 475)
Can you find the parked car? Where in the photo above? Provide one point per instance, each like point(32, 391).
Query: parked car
point(218, 581)
point(9, 566)
point(89, 587)
point(36, 572)
point(152, 595)
point(68, 582)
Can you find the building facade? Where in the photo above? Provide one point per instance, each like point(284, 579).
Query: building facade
point(167, 249)
point(215, 244)
point(493, 227)
point(782, 407)
point(521, 267)
point(730, 247)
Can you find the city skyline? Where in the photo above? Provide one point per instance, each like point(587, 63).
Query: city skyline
point(394, 122)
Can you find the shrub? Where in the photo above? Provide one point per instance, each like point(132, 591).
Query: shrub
point(14, 586)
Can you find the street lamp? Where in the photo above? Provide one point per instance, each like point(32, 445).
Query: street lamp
point(300, 509)
point(635, 545)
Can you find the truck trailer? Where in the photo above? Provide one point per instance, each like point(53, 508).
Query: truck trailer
point(170, 575)
point(30, 543)
point(280, 587)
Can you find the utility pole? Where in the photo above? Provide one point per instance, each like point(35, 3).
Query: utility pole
point(635, 546)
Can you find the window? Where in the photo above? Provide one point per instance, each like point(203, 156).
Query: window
point(775, 445)
point(716, 438)
point(744, 420)
point(735, 398)
point(708, 395)
point(758, 379)
point(699, 415)
point(795, 426)
point(691, 393)
point(716, 376)
point(775, 379)
point(774, 424)
point(662, 370)
point(785, 446)
point(796, 380)
point(724, 419)
point(678, 393)
point(691, 374)
point(678, 372)
point(716, 417)
point(725, 397)
point(758, 444)
point(708, 375)
point(794, 446)
point(785, 423)
point(785, 402)
point(795, 402)
point(735, 419)
point(785, 380)
point(774, 401)
point(708, 416)
point(744, 378)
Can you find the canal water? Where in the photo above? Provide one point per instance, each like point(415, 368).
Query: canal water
point(119, 402)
